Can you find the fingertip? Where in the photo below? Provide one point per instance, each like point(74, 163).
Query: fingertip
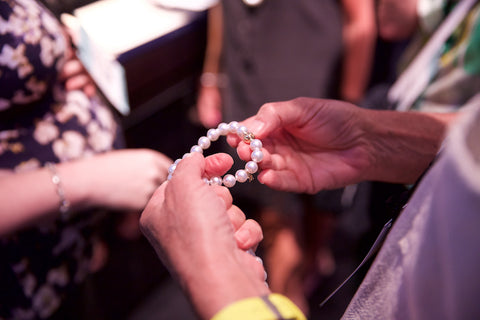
point(192, 163)
point(217, 164)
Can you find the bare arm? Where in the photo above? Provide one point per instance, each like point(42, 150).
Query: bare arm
point(122, 180)
point(359, 35)
point(214, 39)
point(209, 99)
point(190, 226)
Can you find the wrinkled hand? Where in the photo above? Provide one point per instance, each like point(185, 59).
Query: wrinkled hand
point(202, 238)
point(309, 144)
point(186, 220)
point(209, 107)
point(123, 180)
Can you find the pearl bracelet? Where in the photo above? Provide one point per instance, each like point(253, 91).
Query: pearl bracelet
point(57, 182)
point(224, 129)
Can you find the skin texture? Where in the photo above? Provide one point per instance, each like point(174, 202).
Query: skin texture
point(202, 237)
point(309, 145)
point(314, 144)
point(121, 180)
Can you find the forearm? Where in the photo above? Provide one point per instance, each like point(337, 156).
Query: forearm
point(356, 65)
point(402, 144)
point(214, 285)
point(213, 49)
point(31, 197)
point(359, 35)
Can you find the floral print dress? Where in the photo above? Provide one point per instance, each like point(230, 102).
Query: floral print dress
point(40, 122)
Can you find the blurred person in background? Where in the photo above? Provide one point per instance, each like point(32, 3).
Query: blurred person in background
point(60, 173)
point(262, 51)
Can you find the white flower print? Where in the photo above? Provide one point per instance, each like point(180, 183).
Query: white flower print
point(100, 140)
point(33, 33)
point(68, 240)
point(49, 22)
point(45, 132)
point(58, 276)
point(71, 146)
point(46, 51)
point(13, 57)
point(29, 282)
point(105, 118)
point(3, 26)
point(46, 301)
point(16, 25)
point(21, 266)
point(25, 69)
point(30, 9)
point(79, 98)
point(20, 12)
point(36, 86)
point(21, 98)
point(76, 105)
point(4, 104)
point(23, 314)
point(73, 110)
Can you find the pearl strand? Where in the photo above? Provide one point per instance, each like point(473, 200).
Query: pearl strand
point(212, 135)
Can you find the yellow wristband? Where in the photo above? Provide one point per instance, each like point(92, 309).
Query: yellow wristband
point(271, 307)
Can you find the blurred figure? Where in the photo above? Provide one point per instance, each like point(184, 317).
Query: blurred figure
point(443, 49)
point(437, 71)
point(276, 50)
point(59, 171)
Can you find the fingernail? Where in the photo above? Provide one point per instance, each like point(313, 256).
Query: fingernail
point(256, 126)
point(242, 236)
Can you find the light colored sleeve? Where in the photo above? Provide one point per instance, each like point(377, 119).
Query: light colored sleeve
point(271, 307)
point(430, 14)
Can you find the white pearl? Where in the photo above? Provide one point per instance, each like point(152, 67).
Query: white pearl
point(213, 134)
point(241, 176)
point(206, 181)
point(223, 128)
point(177, 161)
point(256, 144)
point(172, 168)
point(185, 155)
point(169, 177)
point(229, 180)
point(216, 180)
point(242, 131)
point(233, 126)
point(252, 3)
point(204, 143)
point(251, 167)
point(257, 155)
point(196, 148)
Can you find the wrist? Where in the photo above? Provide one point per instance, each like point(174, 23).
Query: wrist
point(403, 144)
point(213, 285)
point(64, 203)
